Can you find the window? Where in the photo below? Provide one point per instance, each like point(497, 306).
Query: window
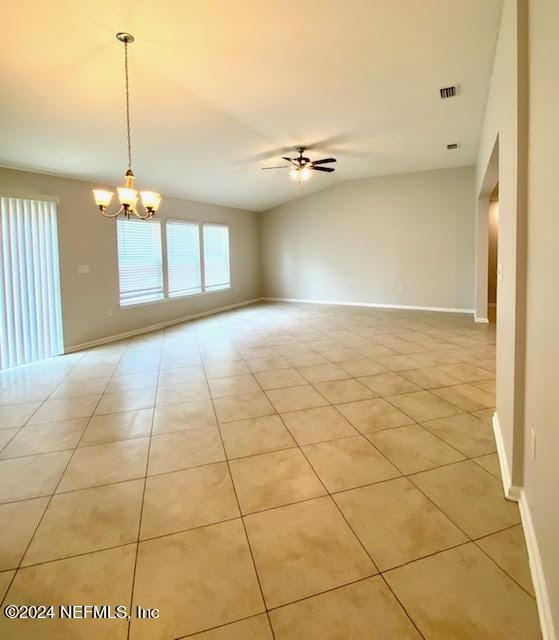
point(216, 257)
point(30, 309)
point(139, 261)
point(183, 258)
point(195, 257)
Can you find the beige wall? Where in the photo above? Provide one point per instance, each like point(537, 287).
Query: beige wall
point(85, 237)
point(541, 475)
point(402, 240)
point(501, 123)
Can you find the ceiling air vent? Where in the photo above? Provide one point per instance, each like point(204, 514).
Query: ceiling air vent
point(453, 145)
point(448, 92)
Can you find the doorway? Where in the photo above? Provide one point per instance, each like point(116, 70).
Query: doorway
point(492, 254)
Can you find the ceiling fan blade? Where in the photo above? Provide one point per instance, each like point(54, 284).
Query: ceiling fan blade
point(289, 160)
point(327, 169)
point(324, 160)
point(282, 166)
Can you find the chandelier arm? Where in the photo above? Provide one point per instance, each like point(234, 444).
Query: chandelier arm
point(112, 215)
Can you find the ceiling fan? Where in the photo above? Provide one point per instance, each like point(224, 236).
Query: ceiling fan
point(301, 167)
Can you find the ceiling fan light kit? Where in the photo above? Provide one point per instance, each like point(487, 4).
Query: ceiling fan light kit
point(301, 167)
point(128, 195)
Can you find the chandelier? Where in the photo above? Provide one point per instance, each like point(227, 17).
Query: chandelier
point(127, 195)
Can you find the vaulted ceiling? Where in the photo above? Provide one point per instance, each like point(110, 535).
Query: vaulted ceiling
point(221, 88)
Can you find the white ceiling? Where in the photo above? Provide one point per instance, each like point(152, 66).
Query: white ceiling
point(221, 88)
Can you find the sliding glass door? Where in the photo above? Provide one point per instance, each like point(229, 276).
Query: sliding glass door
point(30, 309)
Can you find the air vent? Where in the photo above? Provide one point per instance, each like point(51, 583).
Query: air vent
point(448, 92)
point(453, 145)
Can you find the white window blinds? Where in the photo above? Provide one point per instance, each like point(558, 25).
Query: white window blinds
point(139, 261)
point(216, 257)
point(30, 309)
point(183, 258)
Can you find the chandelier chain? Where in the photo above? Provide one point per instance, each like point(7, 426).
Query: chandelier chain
point(127, 104)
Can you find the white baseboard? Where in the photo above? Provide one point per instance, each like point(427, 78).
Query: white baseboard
point(379, 305)
point(512, 492)
point(536, 569)
point(482, 320)
point(155, 327)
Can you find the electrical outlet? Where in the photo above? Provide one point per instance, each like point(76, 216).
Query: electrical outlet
point(349, 286)
point(109, 313)
point(83, 268)
point(533, 443)
point(399, 288)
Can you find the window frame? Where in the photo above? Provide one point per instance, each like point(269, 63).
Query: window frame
point(164, 264)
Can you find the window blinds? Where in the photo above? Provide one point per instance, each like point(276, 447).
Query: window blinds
point(30, 308)
point(183, 258)
point(216, 257)
point(139, 261)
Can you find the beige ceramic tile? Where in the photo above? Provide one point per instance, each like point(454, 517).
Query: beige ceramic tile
point(105, 463)
point(464, 432)
point(87, 520)
point(365, 367)
point(296, 398)
point(84, 372)
point(132, 382)
point(181, 375)
point(53, 436)
point(317, 425)
point(508, 549)
point(274, 479)
point(95, 578)
point(413, 448)
point(225, 369)
point(5, 581)
point(373, 415)
point(118, 426)
point(256, 435)
point(186, 499)
point(323, 372)
point(489, 386)
point(306, 359)
point(467, 397)
point(220, 387)
point(32, 476)
point(467, 372)
point(471, 497)
point(180, 393)
point(433, 359)
point(20, 519)
point(387, 384)
point(243, 407)
point(187, 415)
point(72, 388)
point(209, 568)
point(461, 593)
point(423, 405)
point(303, 549)
point(6, 435)
point(397, 523)
point(279, 378)
point(65, 409)
point(255, 628)
point(348, 462)
point(273, 363)
point(183, 449)
point(490, 463)
point(399, 362)
point(364, 610)
point(429, 377)
point(338, 391)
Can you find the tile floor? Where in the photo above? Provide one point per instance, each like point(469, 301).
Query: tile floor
point(278, 471)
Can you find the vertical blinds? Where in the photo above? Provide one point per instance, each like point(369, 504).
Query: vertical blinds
point(216, 257)
point(183, 258)
point(30, 308)
point(139, 261)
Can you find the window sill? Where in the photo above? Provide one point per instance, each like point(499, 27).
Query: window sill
point(168, 299)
